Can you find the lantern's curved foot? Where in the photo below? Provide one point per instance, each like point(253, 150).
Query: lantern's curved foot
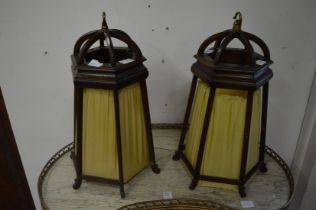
point(122, 192)
point(176, 156)
point(193, 183)
point(242, 192)
point(155, 168)
point(263, 168)
point(77, 183)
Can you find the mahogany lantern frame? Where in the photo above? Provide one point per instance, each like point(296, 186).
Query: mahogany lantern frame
point(229, 68)
point(114, 76)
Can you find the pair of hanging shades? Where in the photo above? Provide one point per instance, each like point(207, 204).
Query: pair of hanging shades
point(112, 128)
point(222, 142)
point(223, 137)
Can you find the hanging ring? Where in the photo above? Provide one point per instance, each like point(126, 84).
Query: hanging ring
point(104, 24)
point(237, 22)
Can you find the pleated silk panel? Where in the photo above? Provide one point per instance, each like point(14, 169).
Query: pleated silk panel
point(134, 138)
point(223, 148)
point(99, 137)
point(100, 157)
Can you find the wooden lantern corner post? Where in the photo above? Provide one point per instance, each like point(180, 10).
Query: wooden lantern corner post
point(117, 68)
point(227, 68)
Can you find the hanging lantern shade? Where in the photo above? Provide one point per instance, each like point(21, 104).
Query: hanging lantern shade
point(112, 128)
point(223, 137)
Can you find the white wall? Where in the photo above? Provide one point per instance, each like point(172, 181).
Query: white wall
point(309, 202)
point(303, 164)
point(38, 87)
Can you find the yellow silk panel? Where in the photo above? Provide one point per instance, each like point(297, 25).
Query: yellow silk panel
point(223, 148)
point(100, 157)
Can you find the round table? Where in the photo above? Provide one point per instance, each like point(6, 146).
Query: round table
point(271, 190)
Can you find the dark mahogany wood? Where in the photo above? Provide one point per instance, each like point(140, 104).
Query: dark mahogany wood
point(262, 166)
point(99, 179)
point(252, 171)
point(188, 164)
point(207, 118)
point(185, 127)
point(219, 179)
point(14, 189)
point(77, 157)
point(119, 142)
point(223, 67)
point(245, 145)
point(150, 141)
point(112, 75)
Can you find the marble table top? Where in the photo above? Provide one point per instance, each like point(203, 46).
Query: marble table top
point(265, 191)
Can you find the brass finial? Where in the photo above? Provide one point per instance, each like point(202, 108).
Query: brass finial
point(237, 22)
point(104, 24)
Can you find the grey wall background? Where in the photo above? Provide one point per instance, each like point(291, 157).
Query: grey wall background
point(37, 38)
point(304, 161)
